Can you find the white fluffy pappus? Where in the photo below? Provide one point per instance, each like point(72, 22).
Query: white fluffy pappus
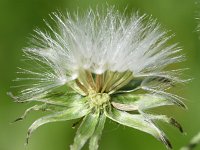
point(98, 43)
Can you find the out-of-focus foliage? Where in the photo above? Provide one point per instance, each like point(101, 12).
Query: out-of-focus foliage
point(17, 21)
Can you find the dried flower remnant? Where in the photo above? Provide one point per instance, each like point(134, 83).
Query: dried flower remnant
point(90, 67)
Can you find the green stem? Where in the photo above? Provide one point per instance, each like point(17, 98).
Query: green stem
point(193, 143)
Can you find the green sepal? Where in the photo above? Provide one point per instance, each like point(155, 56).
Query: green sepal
point(165, 119)
point(67, 114)
point(137, 81)
point(61, 96)
point(42, 107)
point(93, 144)
point(132, 85)
point(130, 101)
point(138, 122)
point(85, 131)
point(51, 107)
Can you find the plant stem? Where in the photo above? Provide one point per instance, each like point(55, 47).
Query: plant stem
point(193, 143)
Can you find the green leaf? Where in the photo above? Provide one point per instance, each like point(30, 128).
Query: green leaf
point(138, 122)
point(68, 114)
point(93, 145)
point(130, 101)
point(85, 131)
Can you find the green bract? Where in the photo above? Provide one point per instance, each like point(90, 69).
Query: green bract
point(92, 104)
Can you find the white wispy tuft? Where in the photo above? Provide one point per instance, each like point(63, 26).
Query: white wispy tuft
point(98, 43)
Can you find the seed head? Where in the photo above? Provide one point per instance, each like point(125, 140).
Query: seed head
point(98, 66)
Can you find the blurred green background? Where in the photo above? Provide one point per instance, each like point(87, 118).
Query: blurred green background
point(18, 18)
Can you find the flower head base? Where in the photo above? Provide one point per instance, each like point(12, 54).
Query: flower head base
point(98, 100)
point(92, 67)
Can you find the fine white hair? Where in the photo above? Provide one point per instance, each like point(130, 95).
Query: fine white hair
point(97, 43)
